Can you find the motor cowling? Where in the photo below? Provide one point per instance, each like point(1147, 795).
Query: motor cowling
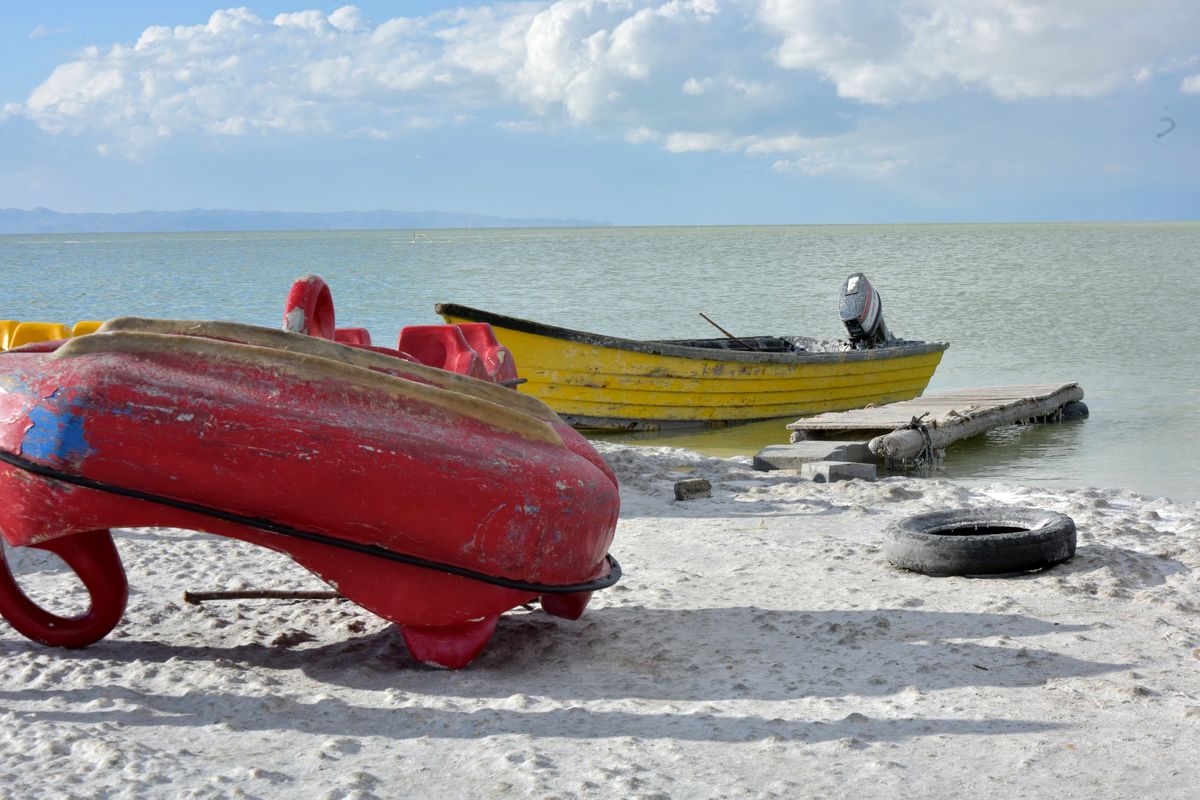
point(862, 312)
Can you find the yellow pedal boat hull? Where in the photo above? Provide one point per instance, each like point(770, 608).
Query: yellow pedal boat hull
point(15, 333)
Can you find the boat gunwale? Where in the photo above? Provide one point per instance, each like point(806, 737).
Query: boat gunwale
point(666, 348)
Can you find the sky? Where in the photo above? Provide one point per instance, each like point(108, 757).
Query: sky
point(634, 112)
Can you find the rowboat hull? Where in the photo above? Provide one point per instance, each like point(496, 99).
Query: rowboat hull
point(608, 383)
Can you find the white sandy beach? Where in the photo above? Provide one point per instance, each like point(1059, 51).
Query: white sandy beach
point(758, 646)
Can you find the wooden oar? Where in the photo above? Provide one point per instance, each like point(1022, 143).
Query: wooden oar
point(727, 333)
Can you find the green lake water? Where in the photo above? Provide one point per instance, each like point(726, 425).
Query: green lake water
point(1110, 306)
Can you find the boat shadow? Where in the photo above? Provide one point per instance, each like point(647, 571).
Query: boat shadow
point(678, 655)
point(350, 722)
point(680, 668)
point(752, 653)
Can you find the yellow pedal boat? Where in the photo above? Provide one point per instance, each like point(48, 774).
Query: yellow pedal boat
point(609, 383)
point(15, 333)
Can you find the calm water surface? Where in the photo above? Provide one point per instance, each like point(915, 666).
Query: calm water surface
point(1107, 305)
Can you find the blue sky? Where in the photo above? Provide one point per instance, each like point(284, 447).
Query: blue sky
point(639, 112)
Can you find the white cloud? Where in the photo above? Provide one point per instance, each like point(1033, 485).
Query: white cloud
point(782, 144)
point(518, 126)
point(642, 136)
point(699, 142)
point(895, 52)
point(809, 156)
point(697, 87)
point(825, 162)
point(592, 63)
point(41, 31)
point(750, 76)
point(816, 164)
point(348, 19)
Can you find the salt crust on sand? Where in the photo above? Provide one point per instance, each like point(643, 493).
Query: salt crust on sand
point(757, 647)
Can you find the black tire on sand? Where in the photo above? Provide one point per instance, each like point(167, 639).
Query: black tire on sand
point(980, 541)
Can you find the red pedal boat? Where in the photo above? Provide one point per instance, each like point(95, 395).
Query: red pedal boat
point(435, 500)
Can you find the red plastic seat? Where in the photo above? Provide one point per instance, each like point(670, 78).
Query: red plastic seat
point(444, 347)
point(358, 337)
point(468, 349)
point(497, 359)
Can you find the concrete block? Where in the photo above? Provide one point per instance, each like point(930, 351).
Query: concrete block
point(692, 488)
point(793, 456)
point(830, 471)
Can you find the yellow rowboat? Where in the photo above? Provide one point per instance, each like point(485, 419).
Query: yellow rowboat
point(608, 383)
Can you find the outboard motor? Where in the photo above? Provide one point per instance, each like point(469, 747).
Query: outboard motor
point(862, 312)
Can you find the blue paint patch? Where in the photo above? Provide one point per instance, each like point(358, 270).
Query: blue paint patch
point(56, 435)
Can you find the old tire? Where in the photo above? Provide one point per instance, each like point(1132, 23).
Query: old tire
point(980, 541)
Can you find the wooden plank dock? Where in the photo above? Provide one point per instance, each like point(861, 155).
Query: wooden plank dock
point(948, 404)
point(926, 425)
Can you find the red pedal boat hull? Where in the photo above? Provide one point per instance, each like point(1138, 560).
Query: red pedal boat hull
point(350, 460)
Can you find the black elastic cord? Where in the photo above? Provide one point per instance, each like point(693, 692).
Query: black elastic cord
point(608, 580)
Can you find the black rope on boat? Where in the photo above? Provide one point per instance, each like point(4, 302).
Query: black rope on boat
point(269, 526)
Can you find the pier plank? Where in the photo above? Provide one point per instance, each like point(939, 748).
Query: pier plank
point(948, 416)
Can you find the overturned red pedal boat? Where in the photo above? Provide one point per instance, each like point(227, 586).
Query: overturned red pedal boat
point(435, 500)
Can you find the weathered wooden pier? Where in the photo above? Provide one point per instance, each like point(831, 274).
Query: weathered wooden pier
point(917, 430)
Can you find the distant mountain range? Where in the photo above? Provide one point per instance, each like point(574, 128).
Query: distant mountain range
point(43, 220)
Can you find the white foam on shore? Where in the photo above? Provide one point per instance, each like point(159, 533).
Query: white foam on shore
point(758, 646)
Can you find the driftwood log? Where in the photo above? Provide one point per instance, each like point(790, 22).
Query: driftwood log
point(955, 425)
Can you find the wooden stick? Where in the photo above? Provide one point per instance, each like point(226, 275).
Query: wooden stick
point(727, 333)
point(196, 598)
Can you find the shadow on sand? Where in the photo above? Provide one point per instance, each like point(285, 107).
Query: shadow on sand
point(632, 654)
